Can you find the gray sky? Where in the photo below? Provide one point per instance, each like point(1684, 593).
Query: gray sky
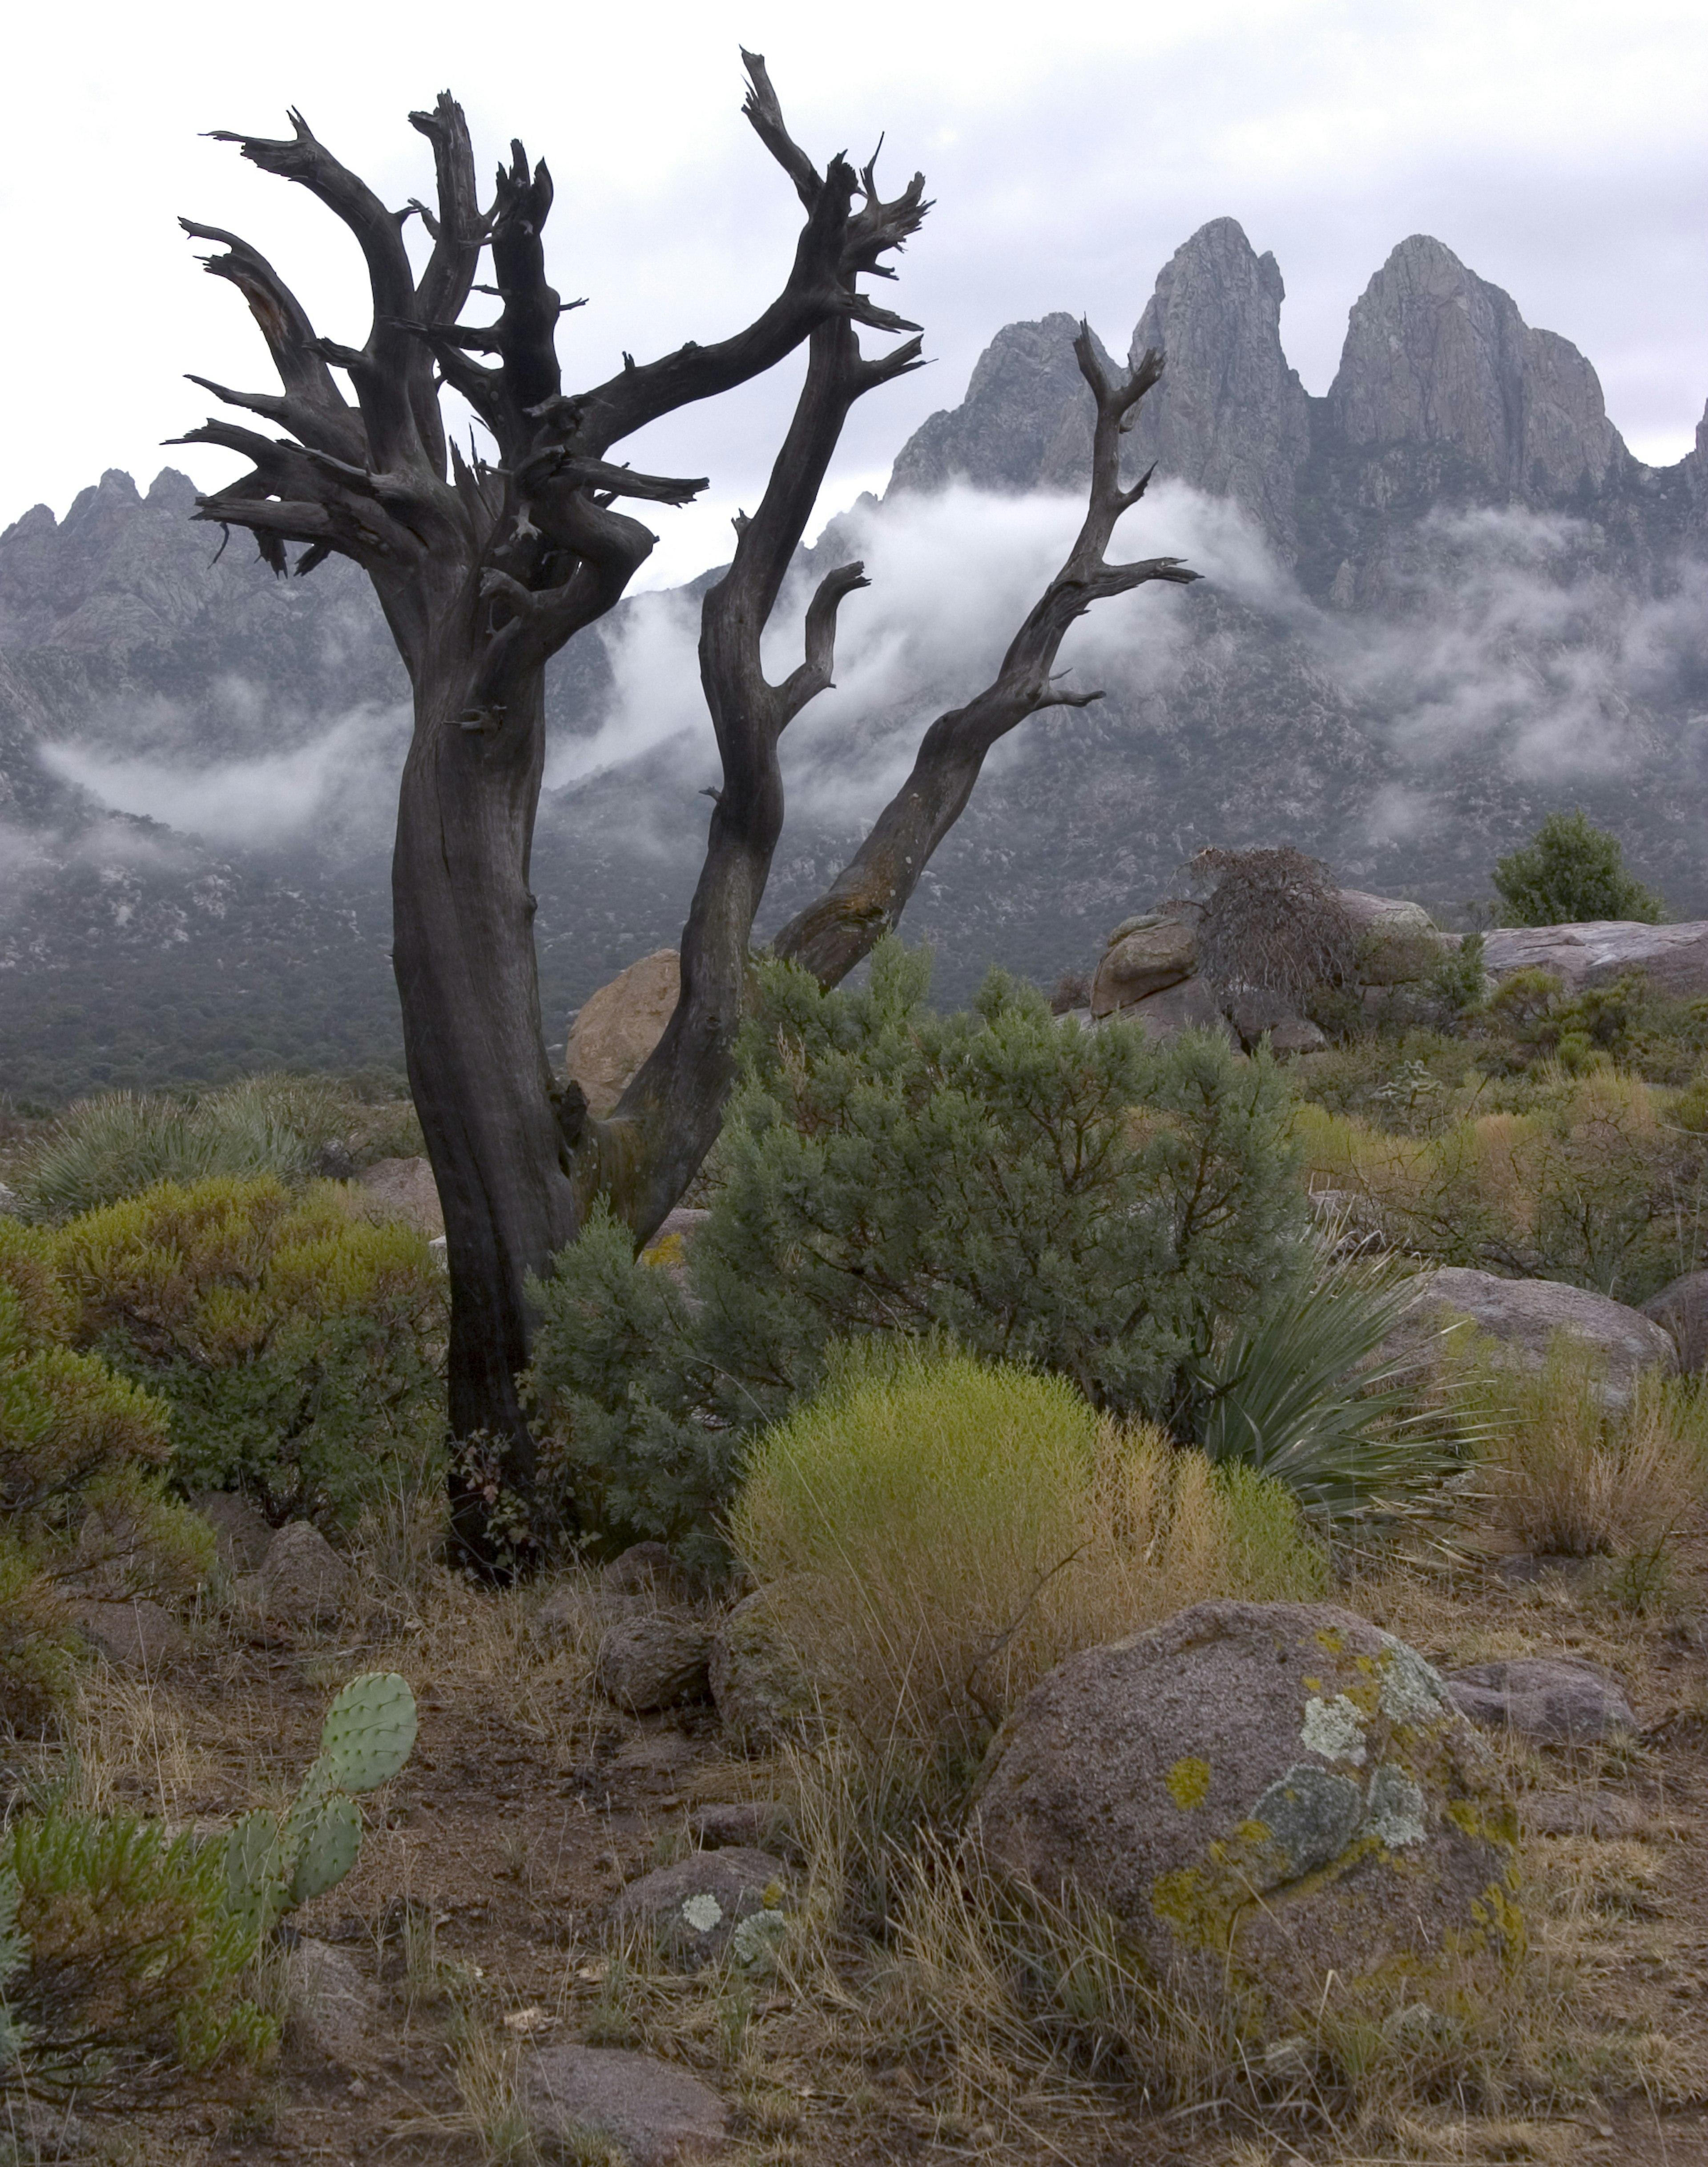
point(1557, 146)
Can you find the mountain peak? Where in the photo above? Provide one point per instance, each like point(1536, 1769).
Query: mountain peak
point(1437, 358)
point(1229, 415)
point(1026, 422)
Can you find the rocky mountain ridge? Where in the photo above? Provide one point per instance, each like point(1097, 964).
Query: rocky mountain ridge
point(1444, 598)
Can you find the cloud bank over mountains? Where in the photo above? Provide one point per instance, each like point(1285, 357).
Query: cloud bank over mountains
point(1438, 601)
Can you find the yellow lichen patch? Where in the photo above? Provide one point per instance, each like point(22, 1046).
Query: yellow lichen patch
point(1189, 1783)
point(1330, 1637)
point(665, 1252)
point(1313, 1685)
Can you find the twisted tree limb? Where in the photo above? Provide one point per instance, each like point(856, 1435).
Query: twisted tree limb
point(867, 897)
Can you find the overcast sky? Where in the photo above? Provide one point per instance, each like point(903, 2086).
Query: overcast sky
point(1558, 146)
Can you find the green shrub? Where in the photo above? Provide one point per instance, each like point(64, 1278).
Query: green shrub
point(1088, 1204)
point(103, 1149)
point(82, 1505)
point(968, 1525)
point(1592, 1182)
point(297, 1348)
point(1570, 872)
point(135, 1963)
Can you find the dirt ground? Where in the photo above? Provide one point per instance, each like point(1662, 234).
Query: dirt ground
point(477, 1913)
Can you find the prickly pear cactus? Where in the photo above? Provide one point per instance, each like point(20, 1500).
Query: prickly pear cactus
point(370, 1729)
point(254, 1871)
point(329, 1848)
point(272, 1863)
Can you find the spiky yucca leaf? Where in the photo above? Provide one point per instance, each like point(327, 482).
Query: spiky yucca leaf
point(1324, 1391)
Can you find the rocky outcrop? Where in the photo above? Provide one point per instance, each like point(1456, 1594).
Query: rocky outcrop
point(1263, 1795)
point(1440, 363)
point(1675, 958)
point(1524, 1315)
point(1024, 423)
point(1230, 416)
point(302, 1580)
point(1145, 955)
point(615, 1028)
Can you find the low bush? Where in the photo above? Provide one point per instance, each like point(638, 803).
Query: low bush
point(103, 1149)
point(128, 1964)
point(1569, 873)
point(1088, 1204)
point(299, 1349)
point(970, 1525)
point(1571, 1476)
point(82, 1504)
point(1592, 1184)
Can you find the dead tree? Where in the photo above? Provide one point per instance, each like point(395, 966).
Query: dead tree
point(483, 570)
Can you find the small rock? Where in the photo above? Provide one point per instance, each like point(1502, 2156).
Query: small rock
point(1255, 1012)
point(333, 1162)
point(11, 1205)
point(137, 1634)
point(1557, 1698)
point(303, 1579)
point(655, 1660)
point(1604, 1814)
point(32, 2130)
point(1681, 1311)
point(567, 1612)
point(656, 2113)
point(646, 1571)
point(332, 2005)
point(764, 1694)
point(241, 1534)
point(1387, 913)
point(756, 1823)
point(404, 1188)
point(1297, 1035)
point(696, 1908)
point(1260, 1795)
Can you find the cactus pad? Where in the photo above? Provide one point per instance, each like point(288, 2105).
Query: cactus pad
point(254, 1865)
point(370, 1729)
point(329, 1848)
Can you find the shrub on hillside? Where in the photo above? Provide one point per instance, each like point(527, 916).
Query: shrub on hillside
point(127, 1962)
point(1570, 872)
point(967, 1526)
point(103, 1149)
point(1592, 1182)
point(82, 1504)
point(1273, 920)
point(299, 1348)
point(1091, 1204)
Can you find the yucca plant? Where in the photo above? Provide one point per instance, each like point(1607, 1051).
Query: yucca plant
point(1325, 1392)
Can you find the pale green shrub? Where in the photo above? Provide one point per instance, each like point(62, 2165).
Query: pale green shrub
point(970, 1525)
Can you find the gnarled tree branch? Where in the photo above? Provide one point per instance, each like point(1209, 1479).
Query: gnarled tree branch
point(867, 897)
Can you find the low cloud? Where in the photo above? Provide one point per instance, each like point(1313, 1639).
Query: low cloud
point(335, 790)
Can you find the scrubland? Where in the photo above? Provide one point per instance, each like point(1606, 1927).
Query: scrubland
point(982, 1435)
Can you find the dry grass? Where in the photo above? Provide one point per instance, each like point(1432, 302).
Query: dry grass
point(1571, 1477)
point(967, 1527)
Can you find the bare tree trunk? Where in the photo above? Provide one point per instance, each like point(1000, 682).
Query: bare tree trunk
point(484, 572)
